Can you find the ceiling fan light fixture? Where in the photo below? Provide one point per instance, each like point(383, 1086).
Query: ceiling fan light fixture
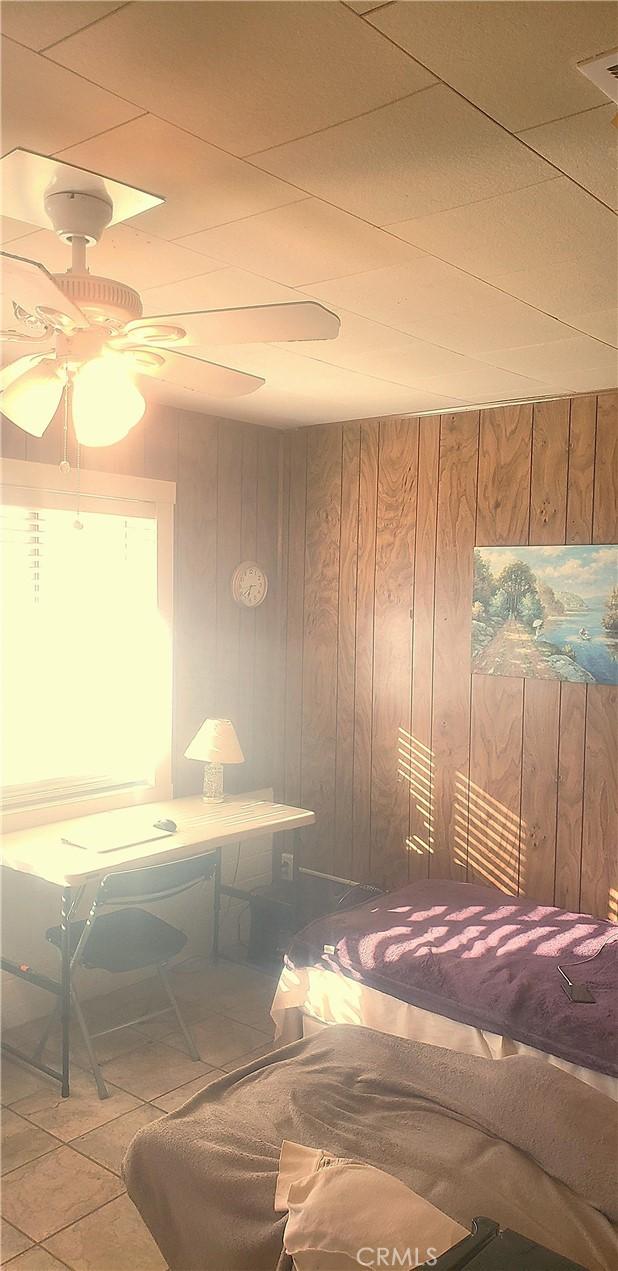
point(31, 400)
point(105, 402)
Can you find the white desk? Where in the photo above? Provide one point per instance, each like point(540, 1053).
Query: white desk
point(201, 828)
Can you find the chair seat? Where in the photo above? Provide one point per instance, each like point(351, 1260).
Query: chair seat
point(124, 940)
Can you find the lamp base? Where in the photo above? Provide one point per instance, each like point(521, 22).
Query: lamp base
point(213, 783)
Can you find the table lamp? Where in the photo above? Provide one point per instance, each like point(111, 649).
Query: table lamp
point(215, 744)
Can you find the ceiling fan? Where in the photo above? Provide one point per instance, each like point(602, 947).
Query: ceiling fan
point(88, 341)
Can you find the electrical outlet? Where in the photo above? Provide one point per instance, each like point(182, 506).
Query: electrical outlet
point(287, 866)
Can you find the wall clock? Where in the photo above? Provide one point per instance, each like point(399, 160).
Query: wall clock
point(249, 584)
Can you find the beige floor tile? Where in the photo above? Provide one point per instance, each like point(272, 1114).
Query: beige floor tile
point(108, 1144)
point(175, 1098)
point(82, 1111)
point(36, 1259)
point(12, 1242)
point(247, 1009)
point(153, 1070)
point(112, 1239)
point(22, 1142)
point(18, 1081)
point(27, 1035)
point(55, 1190)
point(219, 1040)
point(125, 1003)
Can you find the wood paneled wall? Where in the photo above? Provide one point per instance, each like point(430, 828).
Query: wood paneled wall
point(226, 660)
point(414, 766)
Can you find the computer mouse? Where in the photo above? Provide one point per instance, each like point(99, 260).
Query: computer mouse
point(165, 825)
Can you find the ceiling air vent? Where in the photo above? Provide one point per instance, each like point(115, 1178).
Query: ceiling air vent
point(603, 71)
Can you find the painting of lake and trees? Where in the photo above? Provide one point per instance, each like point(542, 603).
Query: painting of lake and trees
point(546, 612)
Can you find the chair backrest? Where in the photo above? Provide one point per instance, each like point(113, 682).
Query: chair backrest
point(155, 882)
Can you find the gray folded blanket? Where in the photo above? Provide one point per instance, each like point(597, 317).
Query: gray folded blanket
point(517, 1140)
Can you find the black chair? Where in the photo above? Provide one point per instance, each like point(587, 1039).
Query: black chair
point(131, 939)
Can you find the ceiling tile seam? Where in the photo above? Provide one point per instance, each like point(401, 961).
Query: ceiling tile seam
point(85, 27)
point(559, 118)
point(77, 74)
point(351, 119)
point(57, 154)
point(386, 4)
point(236, 220)
point(488, 198)
point(516, 136)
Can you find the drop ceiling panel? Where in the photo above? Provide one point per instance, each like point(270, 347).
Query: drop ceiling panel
point(600, 323)
point(302, 243)
point(220, 290)
point(123, 253)
point(418, 156)
point(489, 384)
point(517, 61)
point(45, 107)
point(244, 76)
point(585, 147)
point(526, 229)
point(40, 24)
point(557, 361)
point(203, 186)
point(579, 285)
point(403, 295)
point(408, 361)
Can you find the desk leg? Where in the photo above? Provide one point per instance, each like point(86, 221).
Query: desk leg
point(65, 933)
point(216, 907)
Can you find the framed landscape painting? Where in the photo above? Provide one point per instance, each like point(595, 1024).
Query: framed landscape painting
point(546, 612)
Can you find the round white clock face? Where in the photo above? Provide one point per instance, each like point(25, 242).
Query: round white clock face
point(249, 584)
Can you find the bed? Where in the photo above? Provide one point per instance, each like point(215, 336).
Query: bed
point(461, 966)
point(447, 1125)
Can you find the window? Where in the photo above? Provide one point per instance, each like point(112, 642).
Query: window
point(86, 684)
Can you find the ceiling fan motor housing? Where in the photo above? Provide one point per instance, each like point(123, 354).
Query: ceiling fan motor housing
point(102, 300)
point(75, 214)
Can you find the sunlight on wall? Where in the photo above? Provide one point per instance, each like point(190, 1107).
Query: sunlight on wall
point(612, 904)
point(488, 837)
point(415, 767)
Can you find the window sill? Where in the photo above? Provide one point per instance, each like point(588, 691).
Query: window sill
point(47, 814)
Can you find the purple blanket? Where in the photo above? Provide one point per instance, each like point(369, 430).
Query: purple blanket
point(486, 959)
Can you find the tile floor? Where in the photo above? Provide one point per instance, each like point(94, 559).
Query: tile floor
point(64, 1204)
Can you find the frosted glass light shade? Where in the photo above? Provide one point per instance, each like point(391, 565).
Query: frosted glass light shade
point(216, 742)
point(106, 404)
point(32, 398)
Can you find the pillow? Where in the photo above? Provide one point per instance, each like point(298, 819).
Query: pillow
point(343, 1215)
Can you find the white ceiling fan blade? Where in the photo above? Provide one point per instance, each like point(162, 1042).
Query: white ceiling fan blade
point(259, 324)
point(194, 373)
point(27, 286)
point(32, 399)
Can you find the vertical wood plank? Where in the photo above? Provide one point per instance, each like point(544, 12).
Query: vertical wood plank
point(599, 876)
point(297, 446)
point(571, 752)
point(395, 532)
point(420, 754)
point(605, 518)
point(246, 777)
point(539, 789)
point(320, 636)
point(494, 793)
point(161, 444)
point(451, 692)
point(550, 455)
point(505, 439)
point(346, 652)
point(12, 440)
point(229, 495)
point(267, 668)
point(195, 591)
point(365, 593)
point(503, 514)
point(582, 437)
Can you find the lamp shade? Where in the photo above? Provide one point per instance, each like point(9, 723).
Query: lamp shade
point(216, 742)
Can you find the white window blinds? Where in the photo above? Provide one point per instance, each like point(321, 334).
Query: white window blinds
point(84, 650)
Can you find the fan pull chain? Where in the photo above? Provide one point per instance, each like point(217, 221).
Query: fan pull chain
point(65, 466)
point(78, 524)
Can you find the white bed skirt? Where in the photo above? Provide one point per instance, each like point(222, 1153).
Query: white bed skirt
point(310, 998)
